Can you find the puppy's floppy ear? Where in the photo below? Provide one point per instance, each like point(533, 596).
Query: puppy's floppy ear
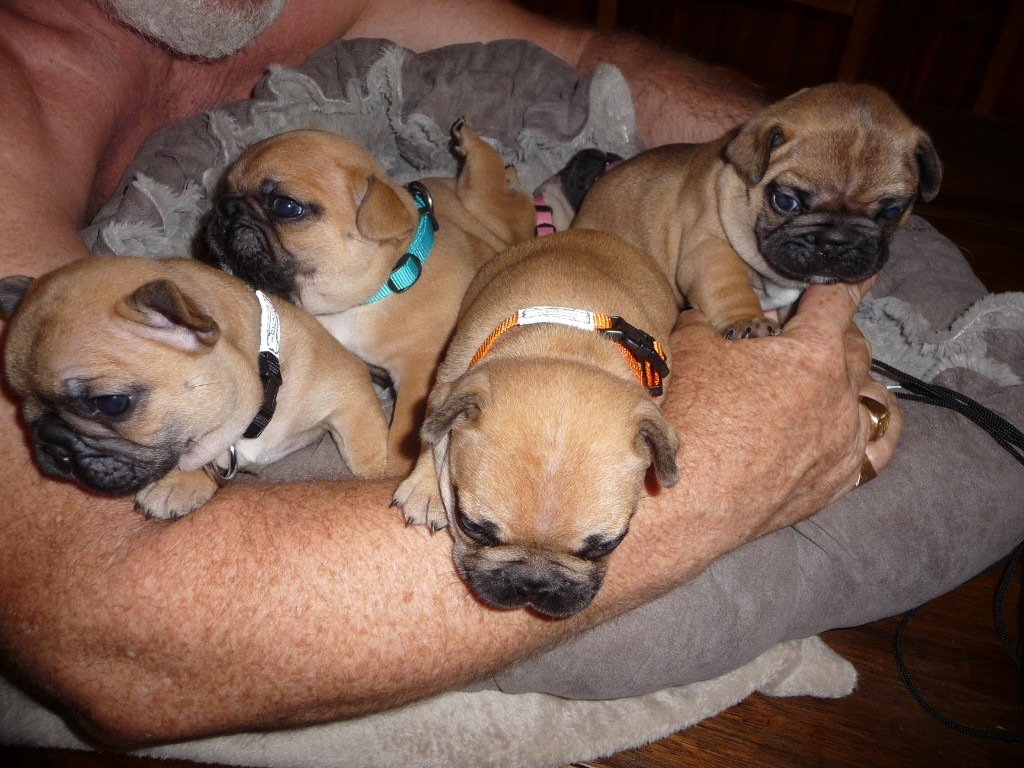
point(750, 151)
point(449, 402)
point(381, 214)
point(929, 168)
point(12, 290)
point(165, 313)
point(659, 438)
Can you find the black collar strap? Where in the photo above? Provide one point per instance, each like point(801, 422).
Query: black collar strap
point(269, 365)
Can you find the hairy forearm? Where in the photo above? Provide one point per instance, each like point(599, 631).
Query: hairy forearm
point(677, 98)
point(278, 605)
point(272, 605)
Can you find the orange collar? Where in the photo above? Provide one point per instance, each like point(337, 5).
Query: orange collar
point(642, 352)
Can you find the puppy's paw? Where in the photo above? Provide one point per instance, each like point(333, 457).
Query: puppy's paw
point(420, 501)
point(512, 178)
point(175, 495)
point(752, 328)
point(462, 134)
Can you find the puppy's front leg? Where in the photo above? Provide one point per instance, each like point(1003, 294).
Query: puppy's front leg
point(412, 385)
point(716, 281)
point(419, 495)
point(175, 494)
point(358, 425)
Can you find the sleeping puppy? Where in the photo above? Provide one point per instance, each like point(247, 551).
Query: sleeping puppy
point(310, 216)
point(810, 190)
point(161, 378)
point(543, 422)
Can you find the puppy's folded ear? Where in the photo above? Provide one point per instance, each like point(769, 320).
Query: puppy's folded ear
point(162, 311)
point(382, 215)
point(449, 402)
point(929, 168)
point(661, 441)
point(12, 290)
point(750, 151)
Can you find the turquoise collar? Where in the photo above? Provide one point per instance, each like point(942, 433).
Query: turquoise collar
point(409, 267)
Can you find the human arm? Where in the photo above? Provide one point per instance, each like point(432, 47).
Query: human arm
point(677, 98)
point(277, 605)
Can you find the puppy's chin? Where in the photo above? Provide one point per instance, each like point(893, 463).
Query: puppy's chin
point(110, 466)
point(547, 588)
point(827, 252)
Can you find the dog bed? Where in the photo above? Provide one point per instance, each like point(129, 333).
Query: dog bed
point(946, 507)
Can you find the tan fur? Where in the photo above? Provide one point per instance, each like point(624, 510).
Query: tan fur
point(695, 207)
point(91, 325)
point(550, 436)
point(347, 252)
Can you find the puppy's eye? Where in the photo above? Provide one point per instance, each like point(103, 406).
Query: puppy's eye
point(285, 207)
point(595, 551)
point(111, 405)
point(484, 533)
point(891, 213)
point(783, 202)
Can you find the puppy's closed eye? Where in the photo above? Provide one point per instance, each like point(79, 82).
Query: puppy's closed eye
point(595, 547)
point(483, 532)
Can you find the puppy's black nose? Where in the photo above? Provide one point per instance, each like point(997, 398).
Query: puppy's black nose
point(228, 205)
point(831, 237)
point(536, 582)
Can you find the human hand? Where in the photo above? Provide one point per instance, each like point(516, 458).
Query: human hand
point(772, 428)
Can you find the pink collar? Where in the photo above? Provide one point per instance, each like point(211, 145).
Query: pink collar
point(545, 221)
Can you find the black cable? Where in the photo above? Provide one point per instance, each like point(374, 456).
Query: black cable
point(1010, 438)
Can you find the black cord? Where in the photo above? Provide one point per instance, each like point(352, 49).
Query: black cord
point(1010, 438)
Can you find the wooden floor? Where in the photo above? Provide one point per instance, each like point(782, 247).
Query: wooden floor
point(951, 647)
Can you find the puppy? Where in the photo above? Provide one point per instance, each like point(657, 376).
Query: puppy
point(541, 426)
point(563, 193)
point(160, 378)
point(810, 190)
point(310, 216)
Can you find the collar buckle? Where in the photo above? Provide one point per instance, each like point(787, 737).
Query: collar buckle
point(405, 273)
point(640, 343)
point(644, 348)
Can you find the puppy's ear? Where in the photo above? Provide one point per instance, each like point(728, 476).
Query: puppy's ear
point(661, 441)
point(450, 402)
point(12, 290)
point(751, 149)
point(929, 168)
point(164, 313)
point(381, 214)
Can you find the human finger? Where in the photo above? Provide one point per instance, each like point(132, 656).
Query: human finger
point(881, 425)
point(828, 307)
point(858, 355)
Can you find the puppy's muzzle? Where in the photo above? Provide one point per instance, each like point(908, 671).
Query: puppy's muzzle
point(825, 253)
point(241, 246)
point(546, 588)
point(65, 455)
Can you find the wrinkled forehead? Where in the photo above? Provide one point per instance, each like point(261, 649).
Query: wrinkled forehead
point(849, 162)
point(301, 157)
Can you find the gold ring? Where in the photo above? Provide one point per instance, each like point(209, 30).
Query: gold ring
point(879, 417)
point(867, 472)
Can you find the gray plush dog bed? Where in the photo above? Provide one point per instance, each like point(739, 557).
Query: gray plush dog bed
point(946, 507)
